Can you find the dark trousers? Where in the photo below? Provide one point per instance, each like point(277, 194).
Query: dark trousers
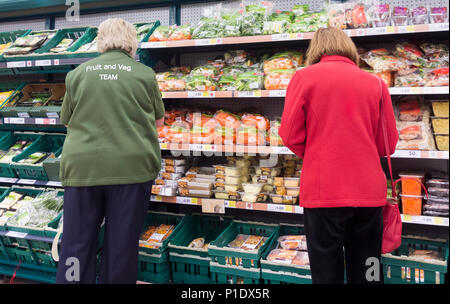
point(337, 234)
point(124, 208)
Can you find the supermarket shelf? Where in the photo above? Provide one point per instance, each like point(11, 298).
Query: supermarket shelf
point(295, 209)
point(425, 220)
point(389, 30)
point(44, 62)
point(229, 204)
point(30, 121)
point(29, 182)
point(282, 93)
point(26, 236)
point(285, 150)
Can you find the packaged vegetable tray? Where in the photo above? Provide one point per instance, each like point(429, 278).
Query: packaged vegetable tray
point(234, 265)
point(274, 272)
point(154, 266)
point(28, 164)
point(11, 145)
point(416, 261)
point(188, 250)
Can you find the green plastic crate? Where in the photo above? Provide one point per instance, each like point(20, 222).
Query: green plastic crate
point(225, 274)
point(6, 142)
point(154, 262)
point(44, 258)
point(52, 165)
point(275, 273)
point(248, 259)
point(150, 32)
point(50, 143)
point(12, 86)
point(192, 265)
point(35, 54)
point(47, 233)
point(6, 37)
point(398, 268)
point(15, 108)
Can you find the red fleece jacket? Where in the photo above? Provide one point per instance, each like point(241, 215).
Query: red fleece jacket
point(331, 120)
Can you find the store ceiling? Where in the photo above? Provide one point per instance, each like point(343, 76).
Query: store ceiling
point(27, 8)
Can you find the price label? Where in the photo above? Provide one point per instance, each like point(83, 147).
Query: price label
point(29, 64)
point(439, 220)
point(52, 115)
point(163, 94)
point(159, 44)
point(401, 29)
point(195, 201)
point(377, 31)
point(416, 90)
point(16, 64)
point(296, 36)
point(183, 200)
point(203, 42)
point(23, 114)
point(195, 94)
point(54, 184)
point(414, 154)
point(360, 32)
point(426, 220)
point(410, 28)
point(163, 146)
point(243, 94)
point(289, 208)
point(390, 29)
point(39, 121)
point(43, 62)
point(8, 180)
point(209, 148)
point(280, 37)
point(27, 181)
point(282, 150)
point(16, 120)
point(15, 234)
point(277, 93)
point(407, 218)
point(196, 147)
point(56, 62)
point(249, 206)
point(439, 27)
point(275, 208)
point(52, 121)
point(213, 206)
point(158, 198)
point(231, 204)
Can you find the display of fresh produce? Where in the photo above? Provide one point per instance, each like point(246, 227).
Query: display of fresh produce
point(62, 46)
point(28, 43)
point(39, 211)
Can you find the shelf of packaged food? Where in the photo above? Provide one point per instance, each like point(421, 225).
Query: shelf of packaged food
point(295, 209)
point(31, 120)
point(389, 30)
point(29, 182)
point(285, 150)
point(282, 93)
point(229, 204)
point(425, 220)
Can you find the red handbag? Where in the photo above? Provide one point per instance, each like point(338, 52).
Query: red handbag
point(392, 219)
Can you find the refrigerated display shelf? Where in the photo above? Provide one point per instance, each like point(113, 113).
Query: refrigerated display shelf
point(295, 209)
point(389, 30)
point(284, 150)
point(282, 93)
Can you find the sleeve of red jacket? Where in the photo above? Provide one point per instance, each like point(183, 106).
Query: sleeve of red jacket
point(293, 122)
point(388, 113)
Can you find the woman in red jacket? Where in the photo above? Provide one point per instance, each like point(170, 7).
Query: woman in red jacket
point(332, 120)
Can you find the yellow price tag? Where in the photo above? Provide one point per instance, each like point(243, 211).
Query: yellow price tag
point(438, 220)
point(292, 36)
point(416, 90)
point(390, 29)
point(288, 208)
point(212, 41)
point(257, 93)
point(158, 198)
point(163, 145)
point(407, 218)
point(232, 204)
point(410, 28)
point(207, 147)
point(205, 93)
point(194, 200)
point(163, 94)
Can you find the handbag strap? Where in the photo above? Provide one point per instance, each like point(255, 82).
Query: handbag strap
point(386, 140)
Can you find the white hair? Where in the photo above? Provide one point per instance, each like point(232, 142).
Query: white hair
point(117, 33)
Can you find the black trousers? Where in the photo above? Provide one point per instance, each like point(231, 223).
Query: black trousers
point(124, 208)
point(337, 234)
